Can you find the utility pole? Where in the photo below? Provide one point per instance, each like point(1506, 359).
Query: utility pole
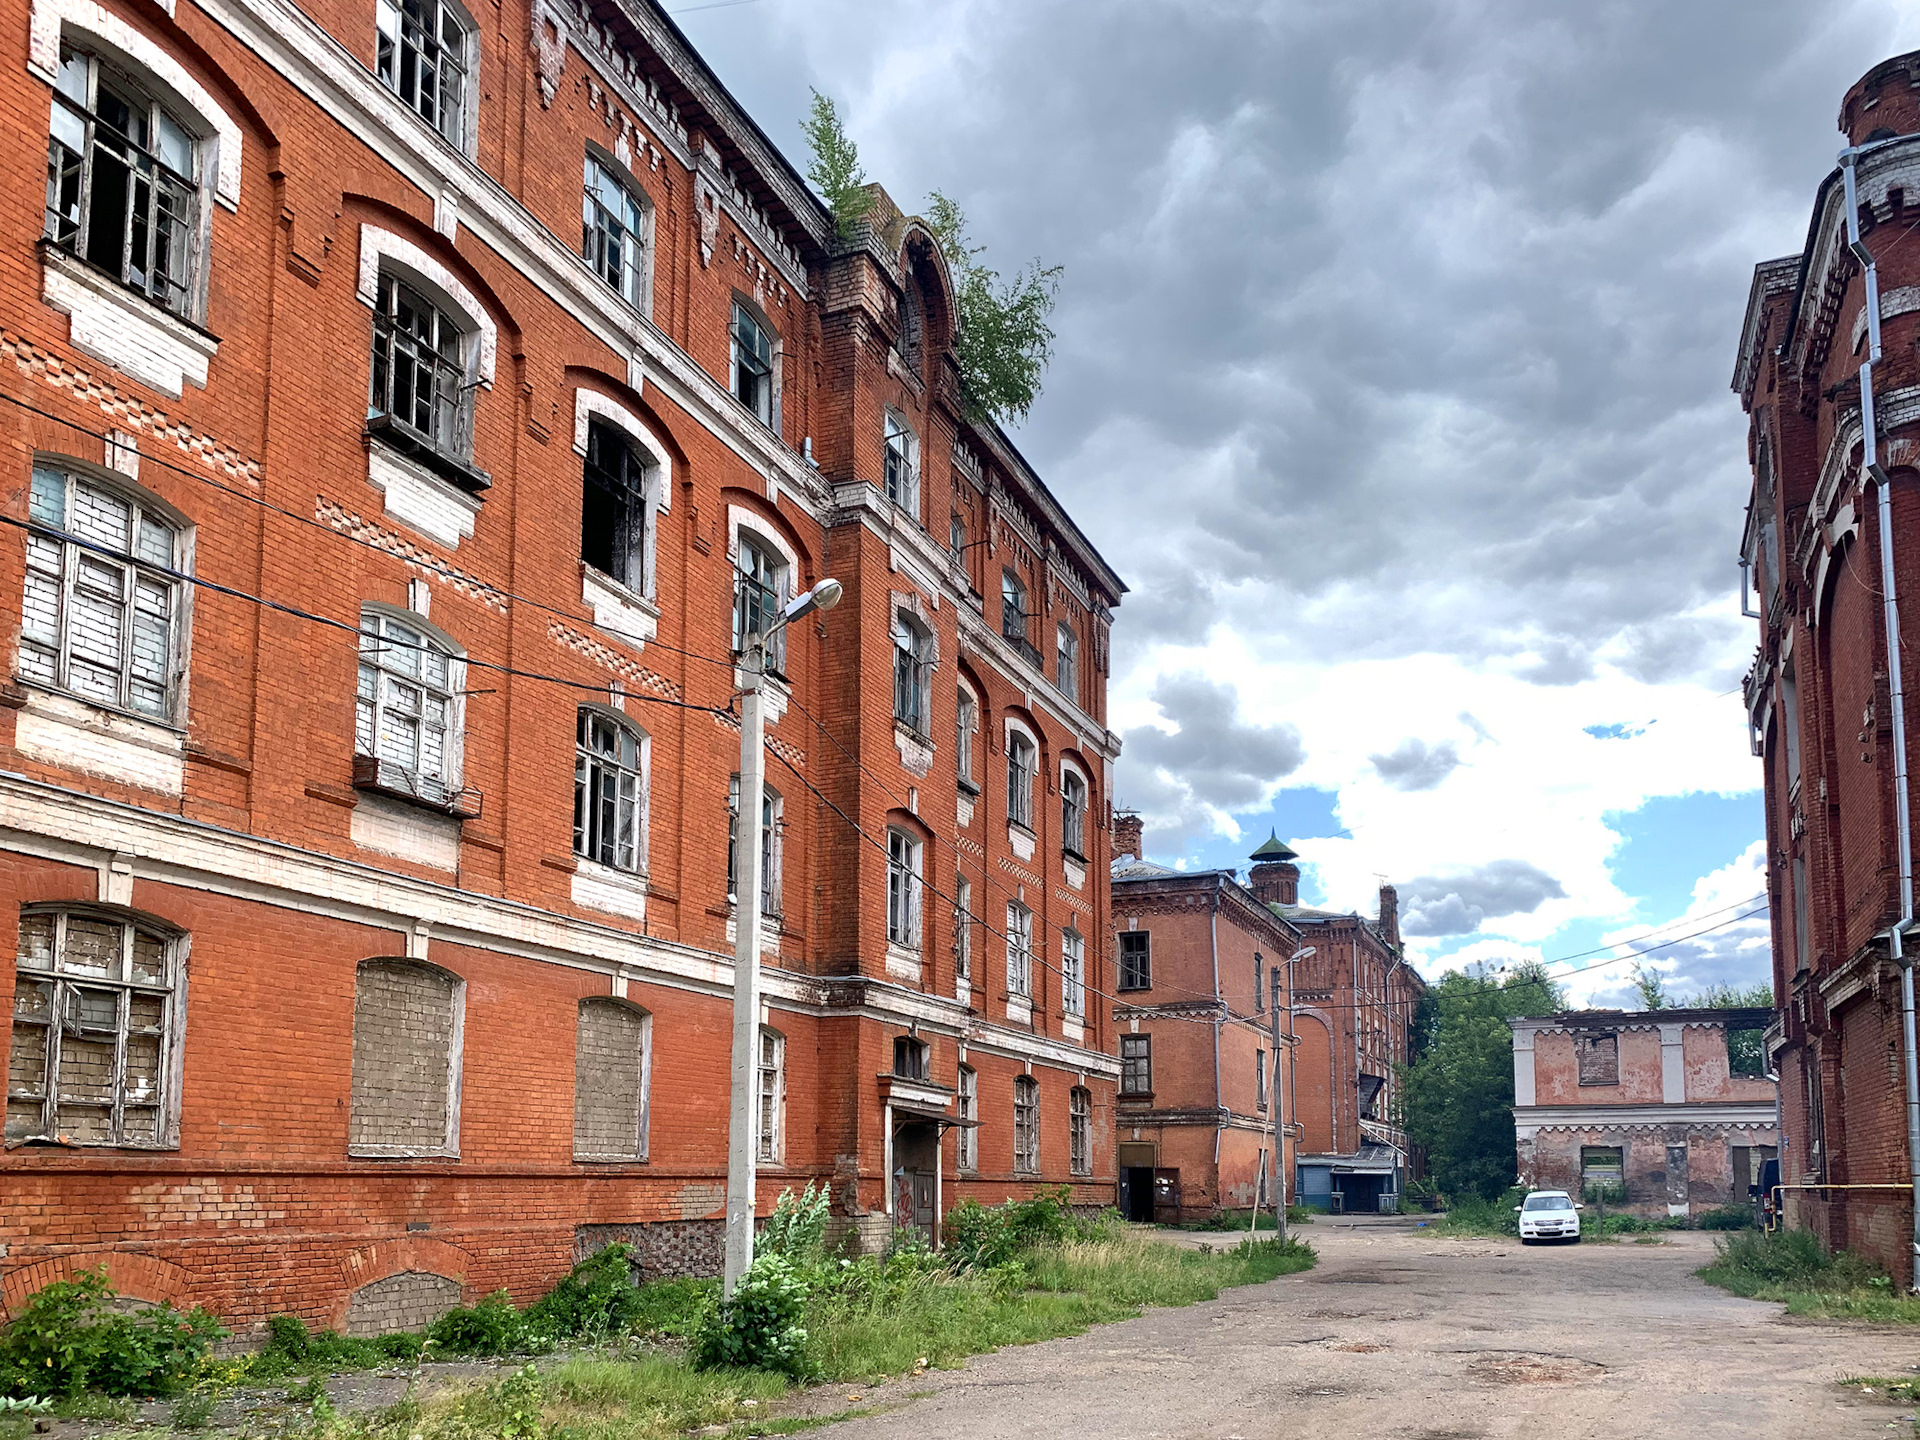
point(743, 1150)
point(1276, 1110)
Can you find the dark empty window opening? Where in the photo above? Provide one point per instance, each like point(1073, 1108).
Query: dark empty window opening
point(910, 1057)
point(1136, 960)
point(613, 507)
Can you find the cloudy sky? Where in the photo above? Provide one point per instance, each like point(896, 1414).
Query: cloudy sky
point(1392, 374)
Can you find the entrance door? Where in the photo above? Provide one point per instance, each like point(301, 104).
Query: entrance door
point(1136, 1193)
point(916, 1151)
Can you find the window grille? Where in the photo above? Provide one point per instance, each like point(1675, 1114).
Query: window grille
point(613, 507)
point(405, 718)
point(769, 847)
point(122, 182)
point(419, 383)
point(1136, 1065)
point(609, 792)
point(94, 1011)
point(1020, 779)
point(1136, 960)
point(1019, 951)
point(752, 365)
point(614, 226)
point(1080, 1131)
point(1026, 1125)
point(421, 55)
point(903, 889)
point(1073, 974)
point(106, 622)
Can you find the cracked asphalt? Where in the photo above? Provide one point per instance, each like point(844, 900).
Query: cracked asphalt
point(1401, 1333)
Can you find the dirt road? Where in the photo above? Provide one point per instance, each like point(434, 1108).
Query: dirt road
point(1400, 1333)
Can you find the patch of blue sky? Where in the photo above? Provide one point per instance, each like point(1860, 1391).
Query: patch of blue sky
point(1299, 813)
point(1671, 842)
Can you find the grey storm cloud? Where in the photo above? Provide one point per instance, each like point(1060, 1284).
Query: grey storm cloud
point(1415, 765)
point(1439, 905)
point(1214, 760)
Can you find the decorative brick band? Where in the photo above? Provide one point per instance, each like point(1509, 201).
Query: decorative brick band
point(128, 1271)
point(349, 523)
point(605, 655)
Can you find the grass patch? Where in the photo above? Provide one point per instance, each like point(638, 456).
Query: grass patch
point(1879, 1387)
point(1792, 1267)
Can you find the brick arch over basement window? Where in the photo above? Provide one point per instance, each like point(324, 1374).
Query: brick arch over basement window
point(412, 1254)
point(140, 1276)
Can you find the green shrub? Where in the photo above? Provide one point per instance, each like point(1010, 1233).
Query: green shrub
point(68, 1338)
point(761, 1326)
point(595, 1299)
point(979, 1238)
point(1725, 1217)
point(797, 1228)
point(672, 1307)
point(1789, 1259)
point(493, 1327)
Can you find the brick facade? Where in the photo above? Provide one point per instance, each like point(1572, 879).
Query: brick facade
point(1818, 695)
point(345, 988)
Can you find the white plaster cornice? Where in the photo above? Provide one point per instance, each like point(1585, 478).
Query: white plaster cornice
point(1692, 1112)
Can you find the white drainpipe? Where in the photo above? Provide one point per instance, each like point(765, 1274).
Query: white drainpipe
point(1873, 470)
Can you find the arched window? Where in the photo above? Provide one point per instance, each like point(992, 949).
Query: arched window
point(1073, 812)
point(610, 791)
point(101, 617)
point(615, 518)
point(904, 859)
point(1066, 658)
point(967, 1107)
point(1026, 1125)
point(123, 181)
point(912, 672)
point(1080, 1131)
point(424, 54)
point(770, 808)
point(408, 1018)
point(913, 322)
point(1020, 765)
point(1019, 951)
point(966, 721)
point(96, 1029)
point(610, 1080)
point(760, 590)
point(420, 398)
point(614, 226)
point(407, 714)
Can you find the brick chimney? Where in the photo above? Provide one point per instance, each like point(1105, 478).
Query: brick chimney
point(1389, 914)
point(1275, 879)
point(1126, 834)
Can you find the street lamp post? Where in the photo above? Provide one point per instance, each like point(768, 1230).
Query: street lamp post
point(742, 1139)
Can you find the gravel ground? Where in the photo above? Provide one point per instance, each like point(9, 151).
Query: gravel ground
point(1402, 1333)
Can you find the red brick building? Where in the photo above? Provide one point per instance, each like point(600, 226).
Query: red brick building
point(1354, 1004)
point(1819, 696)
point(1670, 1110)
point(1196, 957)
point(407, 412)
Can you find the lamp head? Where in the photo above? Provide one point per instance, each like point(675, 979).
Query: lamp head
point(1300, 955)
point(823, 596)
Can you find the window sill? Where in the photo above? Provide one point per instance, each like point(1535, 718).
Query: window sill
point(903, 962)
point(132, 333)
point(916, 750)
point(610, 890)
point(624, 614)
point(609, 1159)
point(1021, 839)
point(404, 440)
point(969, 789)
point(1128, 1097)
point(60, 728)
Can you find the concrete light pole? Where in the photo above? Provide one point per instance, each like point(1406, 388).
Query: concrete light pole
point(742, 1139)
point(1274, 1099)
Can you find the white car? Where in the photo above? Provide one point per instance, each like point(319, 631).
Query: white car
point(1549, 1215)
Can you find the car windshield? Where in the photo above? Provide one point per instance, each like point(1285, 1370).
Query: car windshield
point(1549, 1202)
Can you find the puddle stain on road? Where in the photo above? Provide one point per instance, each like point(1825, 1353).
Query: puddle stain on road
point(1524, 1367)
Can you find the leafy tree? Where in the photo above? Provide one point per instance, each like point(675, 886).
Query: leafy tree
point(1652, 988)
point(1458, 1095)
point(1729, 997)
point(836, 171)
point(1002, 342)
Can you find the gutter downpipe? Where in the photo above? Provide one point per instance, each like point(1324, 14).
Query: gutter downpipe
point(1220, 1128)
point(1870, 465)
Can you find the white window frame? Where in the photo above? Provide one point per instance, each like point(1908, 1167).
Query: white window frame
point(775, 589)
point(393, 777)
point(67, 576)
point(639, 1152)
point(449, 1145)
point(1019, 951)
point(905, 858)
point(967, 1107)
point(772, 822)
point(913, 666)
point(1073, 817)
point(636, 566)
point(1073, 974)
point(1066, 663)
point(966, 723)
point(901, 464)
point(1080, 1131)
point(767, 413)
point(460, 128)
point(770, 1097)
point(598, 226)
point(63, 984)
point(963, 934)
point(590, 762)
point(1026, 1125)
point(1019, 789)
point(1012, 589)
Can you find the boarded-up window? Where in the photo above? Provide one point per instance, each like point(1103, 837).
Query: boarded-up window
point(1599, 1054)
point(610, 1082)
point(406, 1061)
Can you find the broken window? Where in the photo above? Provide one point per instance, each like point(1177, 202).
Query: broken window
point(609, 791)
point(902, 465)
point(1816, 1112)
point(910, 1057)
point(615, 518)
point(610, 1081)
point(421, 54)
point(1136, 1065)
point(1080, 1131)
point(1073, 813)
point(614, 226)
point(1599, 1057)
point(1073, 975)
point(903, 889)
point(967, 1107)
point(772, 1096)
point(95, 1011)
point(1259, 1079)
point(912, 673)
point(770, 806)
point(1136, 960)
point(1066, 662)
point(1013, 610)
point(1604, 1166)
point(1019, 951)
point(407, 1019)
point(1746, 1050)
point(1020, 753)
point(122, 182)
point(760, 589)
point(963, 931)
point(965, 722)
point(1370, 1089)
point(419, 386)
point(406, 715)
point(102, 617)
point(1259, 982)
point(1026, 1125)
point(753, 365)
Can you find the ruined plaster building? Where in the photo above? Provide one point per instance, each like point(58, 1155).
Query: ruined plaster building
point(1355, 1004)
point(1671, 1111)
point(1819, 693)
point(409, 411)
point(1196, 958)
